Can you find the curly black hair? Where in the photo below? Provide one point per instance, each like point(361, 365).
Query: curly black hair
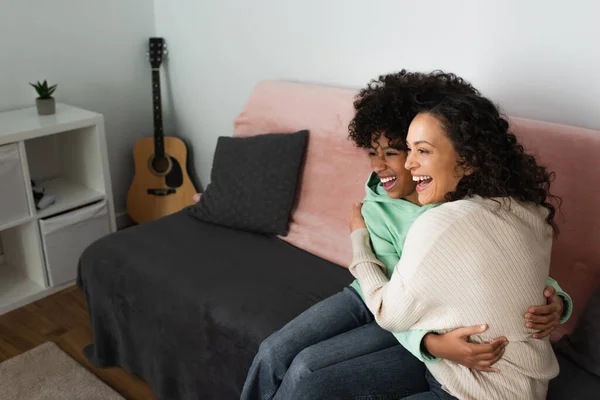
point(388, 104)
point(482, 138)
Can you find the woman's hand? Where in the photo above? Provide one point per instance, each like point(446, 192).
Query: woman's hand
point(356, 219)
point(545, 318)
point(455, 346)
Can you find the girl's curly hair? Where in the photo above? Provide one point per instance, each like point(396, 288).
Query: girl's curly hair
point(484, 143)
point(388, 104)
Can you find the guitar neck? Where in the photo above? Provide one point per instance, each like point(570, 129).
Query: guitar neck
point(159, 148)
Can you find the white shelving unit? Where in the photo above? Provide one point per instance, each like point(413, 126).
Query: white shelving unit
point(66, 154)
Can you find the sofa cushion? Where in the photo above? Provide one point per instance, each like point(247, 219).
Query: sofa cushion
point(253, 182)
point(573, 383)
point(184, 304)
point(582, 347)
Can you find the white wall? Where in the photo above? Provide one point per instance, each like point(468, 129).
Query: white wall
point(537, 58)
point(96, 51)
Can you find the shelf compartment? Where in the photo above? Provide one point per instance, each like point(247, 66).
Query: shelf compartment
point(69, 195)
point(22, 275)
point(16, 289)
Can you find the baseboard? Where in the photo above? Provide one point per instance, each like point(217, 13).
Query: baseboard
point(35, 297)
point(123, 220)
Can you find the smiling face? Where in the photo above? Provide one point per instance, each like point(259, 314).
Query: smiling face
point(432, 160)
point(388, 163)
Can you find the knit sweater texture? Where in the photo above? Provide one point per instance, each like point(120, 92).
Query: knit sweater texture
point(464, 263)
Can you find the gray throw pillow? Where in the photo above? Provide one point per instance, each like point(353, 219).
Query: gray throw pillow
point(253, 182)
point(582, 347)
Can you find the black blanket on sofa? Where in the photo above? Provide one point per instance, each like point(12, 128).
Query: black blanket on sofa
point(184, 304)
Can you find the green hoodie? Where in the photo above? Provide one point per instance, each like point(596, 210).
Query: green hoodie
point(388, 222)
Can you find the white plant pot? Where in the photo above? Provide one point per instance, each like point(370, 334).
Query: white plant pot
point(45, 106)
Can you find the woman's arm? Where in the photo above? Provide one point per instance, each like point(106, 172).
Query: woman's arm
point(455, 345)
point(394, 308)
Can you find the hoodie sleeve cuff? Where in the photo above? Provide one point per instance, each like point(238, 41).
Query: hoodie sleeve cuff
point(567, 307)
point(567, 301)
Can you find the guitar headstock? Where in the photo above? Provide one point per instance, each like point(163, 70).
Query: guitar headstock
point(157, 51)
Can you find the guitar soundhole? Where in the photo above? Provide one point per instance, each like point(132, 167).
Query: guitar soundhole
point(160, 164)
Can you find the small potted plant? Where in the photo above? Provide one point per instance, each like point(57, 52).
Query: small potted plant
point(45, 102)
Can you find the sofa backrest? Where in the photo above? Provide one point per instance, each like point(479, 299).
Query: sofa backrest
point(335, 172)
point(573, 154)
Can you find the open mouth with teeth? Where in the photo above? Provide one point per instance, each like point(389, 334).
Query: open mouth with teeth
point(388, 182)
point(423, 181)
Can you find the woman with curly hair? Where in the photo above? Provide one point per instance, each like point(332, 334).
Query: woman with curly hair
point(481, 255)
point(336, 349)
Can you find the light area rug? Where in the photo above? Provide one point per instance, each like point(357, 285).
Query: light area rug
point(48, 373)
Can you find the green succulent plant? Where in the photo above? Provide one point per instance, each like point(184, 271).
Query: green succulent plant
point(43, 90)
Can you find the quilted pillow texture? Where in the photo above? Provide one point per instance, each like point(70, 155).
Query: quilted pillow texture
point(253, 182)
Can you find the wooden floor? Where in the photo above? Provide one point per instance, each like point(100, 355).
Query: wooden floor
point(63, 319)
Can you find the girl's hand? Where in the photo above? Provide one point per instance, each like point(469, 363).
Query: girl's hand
point(455, 346)
point(545, 318)
point(356, 219)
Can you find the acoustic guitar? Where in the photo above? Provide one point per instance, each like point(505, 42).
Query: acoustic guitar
point(161, 185)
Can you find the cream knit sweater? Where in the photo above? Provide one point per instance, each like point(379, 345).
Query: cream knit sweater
point(465, 263)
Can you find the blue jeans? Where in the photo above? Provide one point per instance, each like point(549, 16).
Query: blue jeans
point(335, 350)
point(435, 391)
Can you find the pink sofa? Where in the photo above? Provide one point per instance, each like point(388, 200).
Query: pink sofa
point(217, 292)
